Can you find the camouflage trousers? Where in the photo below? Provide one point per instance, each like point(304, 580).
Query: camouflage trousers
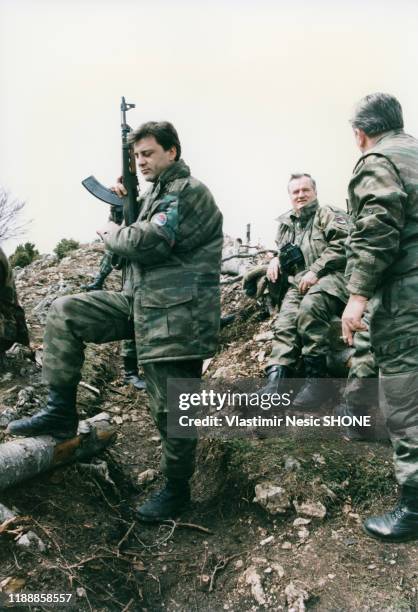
point(106, 316)
point(362, 383)
point(302, 326)
point(106, 266)
point(394, 336)
point(12, 326)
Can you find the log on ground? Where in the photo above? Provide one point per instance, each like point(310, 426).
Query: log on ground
point(27, 457)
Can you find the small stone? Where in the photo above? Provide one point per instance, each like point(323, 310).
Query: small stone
point(297, 596)
point(319, 459)
point(303, 534)
point(311, 509)
point(31, 541)
point(298, 522)
point(272, 498)
point(268, 570)
point(291, 464)
point(278, 569)
point(253, 579)
point(147, 476)
point(331, 576)
point(372, 566)
point(81, 592)
point(286, 545)
point(239, 564)
point(268, 335)
point(266, 541)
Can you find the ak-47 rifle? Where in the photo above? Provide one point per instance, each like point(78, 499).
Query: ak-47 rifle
point(125, 208)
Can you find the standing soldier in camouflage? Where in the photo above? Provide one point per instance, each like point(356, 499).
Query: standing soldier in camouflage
point(382, 266)
point(316, 291)
point(12, 317)
point(171, 300)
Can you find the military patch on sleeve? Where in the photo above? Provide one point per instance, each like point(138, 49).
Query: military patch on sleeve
point(167, 216)
point(159, 219)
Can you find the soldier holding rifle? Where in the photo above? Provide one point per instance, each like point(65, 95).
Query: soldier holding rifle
point(171, 244)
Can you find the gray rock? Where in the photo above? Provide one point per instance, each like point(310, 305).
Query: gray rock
point(311, 509)
point(272, 498)
point(30, 541)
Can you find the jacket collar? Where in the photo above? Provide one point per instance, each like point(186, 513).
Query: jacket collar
point(306, 212)
point(174, 171)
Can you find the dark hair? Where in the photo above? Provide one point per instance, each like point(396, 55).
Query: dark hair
point(300, 175)
point(164, 133)
point(377, 113)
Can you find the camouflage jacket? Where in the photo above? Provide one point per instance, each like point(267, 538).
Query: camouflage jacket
point(174, 253)
point(320, 232)
point(383, 195)
point(12, 318)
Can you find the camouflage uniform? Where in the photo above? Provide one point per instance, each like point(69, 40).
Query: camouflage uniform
point(303, 322)
point(383, 265)
point(170, 301)
point(128, 348)
point(12, 317)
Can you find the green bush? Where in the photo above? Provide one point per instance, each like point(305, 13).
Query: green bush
point(23, 255)
point(65, 246)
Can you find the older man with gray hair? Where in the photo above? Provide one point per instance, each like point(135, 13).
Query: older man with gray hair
point(382, 266)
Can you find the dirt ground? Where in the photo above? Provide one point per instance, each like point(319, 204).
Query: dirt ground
point(226, 552)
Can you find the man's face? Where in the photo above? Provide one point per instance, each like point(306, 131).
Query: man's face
point(301, 192)
point(151, 158)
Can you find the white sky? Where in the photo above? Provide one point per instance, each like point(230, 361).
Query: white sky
point(256, 90)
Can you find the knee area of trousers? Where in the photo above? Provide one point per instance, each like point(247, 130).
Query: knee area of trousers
point(60, 308)
point(308, 306)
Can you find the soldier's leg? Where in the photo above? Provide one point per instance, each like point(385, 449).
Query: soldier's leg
point(72, 321)
point(286, 344)
point(178, 454)
point(313, 324)
point(361, 394)
point(395, 341)
point(103, 316)
point(314, 319)
point(104, 270)
point(130, 365)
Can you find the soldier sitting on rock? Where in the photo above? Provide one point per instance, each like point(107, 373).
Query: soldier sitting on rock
point(310, 268)
point(12, 317)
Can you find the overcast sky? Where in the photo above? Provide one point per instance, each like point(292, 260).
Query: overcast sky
point(257, 90)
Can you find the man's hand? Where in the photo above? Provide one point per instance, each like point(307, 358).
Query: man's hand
point(273, 270)
point(108, 229)
point(119, 188)
point(307, 281)
point(352, 317)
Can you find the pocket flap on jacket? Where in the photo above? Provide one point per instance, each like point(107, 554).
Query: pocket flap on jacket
point(166, 297)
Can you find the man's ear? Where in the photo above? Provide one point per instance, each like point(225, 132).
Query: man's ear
point(173, 153)
point(361, 138)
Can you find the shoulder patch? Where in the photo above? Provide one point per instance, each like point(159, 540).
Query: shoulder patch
point(159, 219)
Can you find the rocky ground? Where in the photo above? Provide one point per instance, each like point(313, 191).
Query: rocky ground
point(275, 523)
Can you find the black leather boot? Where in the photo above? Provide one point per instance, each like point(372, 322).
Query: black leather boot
point(131, 377)
point(97, 284)
point(59, 417)
point(166, 503)
point(314, 392)
point(275, 374)
point(398, 525)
